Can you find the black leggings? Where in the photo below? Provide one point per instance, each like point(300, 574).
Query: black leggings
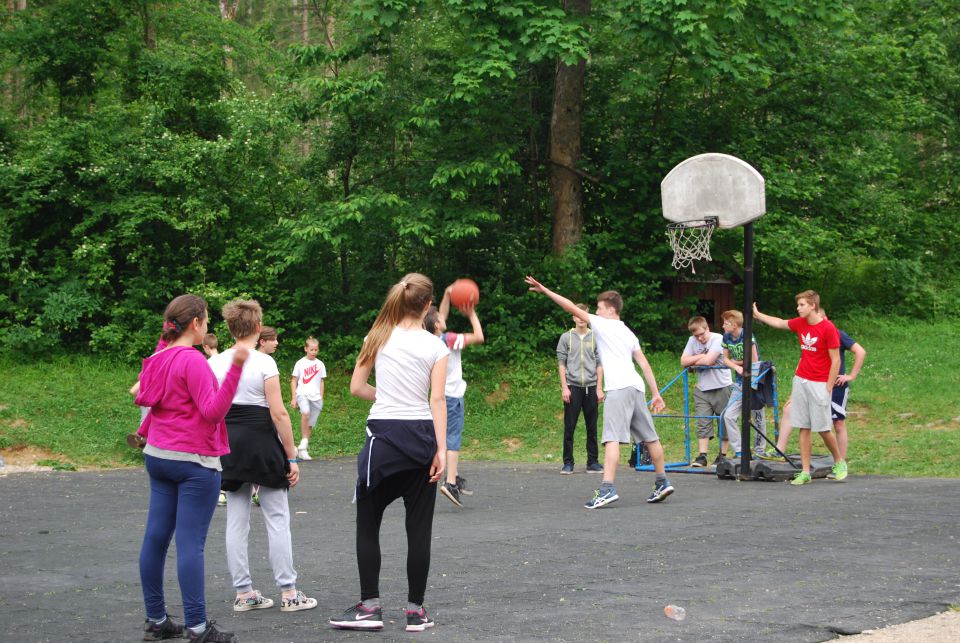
point(419, 499)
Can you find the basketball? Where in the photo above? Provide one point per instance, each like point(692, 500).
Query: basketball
point(463, 292)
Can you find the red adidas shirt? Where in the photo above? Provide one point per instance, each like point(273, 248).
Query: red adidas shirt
point(815, 343)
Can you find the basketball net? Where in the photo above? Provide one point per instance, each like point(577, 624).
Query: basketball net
point(690, 241)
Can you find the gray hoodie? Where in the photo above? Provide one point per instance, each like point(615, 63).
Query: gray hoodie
point(579, 356)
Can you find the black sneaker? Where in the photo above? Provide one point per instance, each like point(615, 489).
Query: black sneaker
point(462, 487)
point(720, 458)
point(359, 617)
point(166, 630)
point(596, 467)
point(417, 620)
point(211, 635)
point(452, 492)
point(660, 491)
point(701, 461)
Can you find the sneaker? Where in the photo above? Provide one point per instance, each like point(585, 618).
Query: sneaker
point(211, 635)
point(802, 477)
point(255, 498)
point(359, 617)
point(661, 491)
point(452, 492)
point(839, 471)
point(462, 487)
point(417, 620)
point(596, 467)
point(303, 455)
point(600, 499)
point(720, 458)
point(297, 602)
point(166, 630)
point(772, 457)
point(222, 501)
point(255, 602)
point(566, 470)
point(701, 461)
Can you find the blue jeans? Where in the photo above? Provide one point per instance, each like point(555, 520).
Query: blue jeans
point(183, 497)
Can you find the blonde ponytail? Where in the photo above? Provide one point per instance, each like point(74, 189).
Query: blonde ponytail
point(407, 298)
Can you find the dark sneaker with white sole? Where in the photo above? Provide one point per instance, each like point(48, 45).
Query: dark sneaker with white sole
point(359, 617)
point(602, 498)
point(211, 635)
point(462, 487)
point(660, 491)
point(700, 462)
point(417, 620)
point(158, 632)
point(452, 492)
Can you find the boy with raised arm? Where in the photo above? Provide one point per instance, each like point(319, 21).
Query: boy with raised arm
point(625, 411)
point(814, 379)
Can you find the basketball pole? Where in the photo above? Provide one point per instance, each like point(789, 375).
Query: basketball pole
point(746, 444)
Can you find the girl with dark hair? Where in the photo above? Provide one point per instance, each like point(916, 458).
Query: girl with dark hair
point(405, 450)
point(186, 436)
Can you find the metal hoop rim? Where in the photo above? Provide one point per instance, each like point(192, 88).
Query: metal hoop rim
point(706, 222)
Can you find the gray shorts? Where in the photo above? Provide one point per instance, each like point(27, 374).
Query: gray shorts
point(810, 408)
point(711, 402)
point(310, 408)
point(625, 415)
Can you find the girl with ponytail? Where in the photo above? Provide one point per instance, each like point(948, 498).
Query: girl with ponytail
point(405, 450)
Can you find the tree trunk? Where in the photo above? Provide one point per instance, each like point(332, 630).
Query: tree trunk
point(566, 190)
point(228, 12)
point(13, 80)
point(149, 27)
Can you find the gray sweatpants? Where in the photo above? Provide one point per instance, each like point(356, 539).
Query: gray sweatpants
point(276, 516)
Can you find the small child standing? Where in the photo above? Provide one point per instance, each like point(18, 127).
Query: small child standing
point(306, 392)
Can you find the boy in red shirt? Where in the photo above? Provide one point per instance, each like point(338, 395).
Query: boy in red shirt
point(814, 379)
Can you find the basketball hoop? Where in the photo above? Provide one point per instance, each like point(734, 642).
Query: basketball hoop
point(690, 241)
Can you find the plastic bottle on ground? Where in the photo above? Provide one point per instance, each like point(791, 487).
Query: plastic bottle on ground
point(675, 612)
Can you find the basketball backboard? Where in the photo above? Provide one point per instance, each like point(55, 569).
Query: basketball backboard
point(713, 185)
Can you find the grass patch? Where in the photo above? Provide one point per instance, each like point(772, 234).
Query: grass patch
point(904, 420)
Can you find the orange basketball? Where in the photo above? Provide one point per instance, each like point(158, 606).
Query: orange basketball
point(463, 292)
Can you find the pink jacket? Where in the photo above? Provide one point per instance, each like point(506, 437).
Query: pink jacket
point(186, 405)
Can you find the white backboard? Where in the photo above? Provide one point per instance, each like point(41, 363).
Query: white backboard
point(713, 185)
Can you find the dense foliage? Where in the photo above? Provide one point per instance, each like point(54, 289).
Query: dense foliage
point(309, 153)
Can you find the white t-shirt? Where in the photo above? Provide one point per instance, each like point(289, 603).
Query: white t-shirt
point(616, 344)
point(402, 370)
point(258, 368)
point(309, 374)
point(456, 386)
point(709, 379)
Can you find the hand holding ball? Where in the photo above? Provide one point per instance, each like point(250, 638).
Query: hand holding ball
point(464, 293)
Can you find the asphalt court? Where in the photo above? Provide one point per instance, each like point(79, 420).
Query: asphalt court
point(522, 561)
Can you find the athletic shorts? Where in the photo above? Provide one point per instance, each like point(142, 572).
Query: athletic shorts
point(310, 408)
point(454, 423)
point(810, 408)
point(625, 415)
point(707, 403)
point(838, 405)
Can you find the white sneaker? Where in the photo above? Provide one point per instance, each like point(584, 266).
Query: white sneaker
point(222, 501)
point(303, 455)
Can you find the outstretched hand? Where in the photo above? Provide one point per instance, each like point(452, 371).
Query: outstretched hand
point(535, 286)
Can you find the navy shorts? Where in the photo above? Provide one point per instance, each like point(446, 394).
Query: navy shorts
point(838, 405)
point(454, 423)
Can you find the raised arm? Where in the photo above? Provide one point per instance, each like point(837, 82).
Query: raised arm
point(770, 320)
point(443, 310)
point(560, 300)
point(859, 354)
point(475, 336)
